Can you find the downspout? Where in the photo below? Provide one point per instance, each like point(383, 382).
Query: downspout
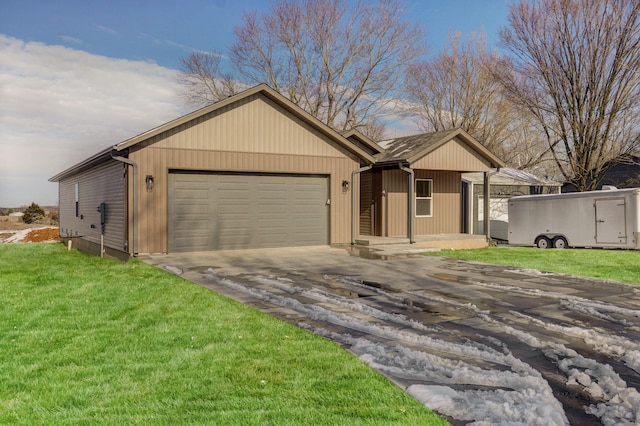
point(114, 155)
point(354, 205)
point(410, 198)
point(487, 204)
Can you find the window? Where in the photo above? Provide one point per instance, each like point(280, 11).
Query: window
point(77, 198)
point(424, 197)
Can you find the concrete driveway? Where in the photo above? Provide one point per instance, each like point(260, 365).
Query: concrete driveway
point(474, 342)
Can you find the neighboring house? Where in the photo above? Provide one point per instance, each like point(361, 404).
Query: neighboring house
point(255, 170)
point(505, 183)
point(16, 217)
point(622, 174)
point(415, 186)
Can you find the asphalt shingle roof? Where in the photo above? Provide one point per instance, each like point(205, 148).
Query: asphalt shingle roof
point(401, 149)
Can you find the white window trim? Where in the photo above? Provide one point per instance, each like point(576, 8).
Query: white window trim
point(416, 198)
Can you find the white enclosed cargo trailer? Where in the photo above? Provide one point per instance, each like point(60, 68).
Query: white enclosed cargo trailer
point(607, 218)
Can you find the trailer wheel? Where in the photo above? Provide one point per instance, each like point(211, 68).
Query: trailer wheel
point(543, 242)
point(560, 243)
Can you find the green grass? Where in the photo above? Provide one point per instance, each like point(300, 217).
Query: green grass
point(616, 265)
point(87, 341)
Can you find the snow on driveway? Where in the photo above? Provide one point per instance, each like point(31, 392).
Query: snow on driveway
point(479, 345)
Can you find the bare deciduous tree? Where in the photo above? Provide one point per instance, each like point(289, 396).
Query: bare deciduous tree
point(458, 88)
point(574, 67)
point(340, 61)
point(202, 80)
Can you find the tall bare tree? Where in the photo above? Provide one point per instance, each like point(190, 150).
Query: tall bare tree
point(202, 80)
point(575, 67)
point(458, 88)
point(339, 60)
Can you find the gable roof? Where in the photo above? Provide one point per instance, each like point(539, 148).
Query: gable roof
point(266, 91)
point(360, 149)
point(410, 149)
point(363, 141)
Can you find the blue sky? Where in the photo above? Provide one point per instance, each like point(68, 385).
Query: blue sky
point(78, 76)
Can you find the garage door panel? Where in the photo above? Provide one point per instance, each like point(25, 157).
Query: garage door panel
point(209, 211)
point(193, 225)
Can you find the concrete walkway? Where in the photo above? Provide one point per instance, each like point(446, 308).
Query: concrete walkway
point(474, 342)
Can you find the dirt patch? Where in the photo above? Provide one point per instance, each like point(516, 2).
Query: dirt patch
point(37, 235)
point(41, 235)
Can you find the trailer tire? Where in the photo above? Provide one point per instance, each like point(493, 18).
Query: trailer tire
point(543, 242)
point(560, 243)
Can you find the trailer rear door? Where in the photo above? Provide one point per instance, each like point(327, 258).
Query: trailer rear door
point(611, 223)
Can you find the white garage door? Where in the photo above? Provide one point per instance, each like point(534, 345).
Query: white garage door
point(209, 211)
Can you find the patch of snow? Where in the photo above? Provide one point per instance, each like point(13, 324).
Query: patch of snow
point(617, 347)
point(497, 407)
point(173, 269)
point(354, 305)
point(620, 404)
point(524, 396)
point(18, 236)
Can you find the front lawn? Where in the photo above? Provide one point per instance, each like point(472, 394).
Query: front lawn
point(85, 340)
point(616, 265)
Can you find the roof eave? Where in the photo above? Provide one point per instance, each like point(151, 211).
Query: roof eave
point(98, 158)
point(364, 140)
point(265, 90)
point(494, 161)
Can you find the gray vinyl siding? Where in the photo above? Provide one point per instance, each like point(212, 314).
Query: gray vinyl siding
point(104, 183)
point(209, 211)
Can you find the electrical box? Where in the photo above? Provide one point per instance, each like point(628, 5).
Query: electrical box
point(102, 208)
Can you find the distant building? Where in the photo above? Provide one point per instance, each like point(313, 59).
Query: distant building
point(623, 174)
point(506, 183)
point(16, 217)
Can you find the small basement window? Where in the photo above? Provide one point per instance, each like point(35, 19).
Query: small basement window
point(424, 197)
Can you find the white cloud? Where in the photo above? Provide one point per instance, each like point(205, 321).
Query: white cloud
point(70, 39)
point(107, 30)
point(59, 106)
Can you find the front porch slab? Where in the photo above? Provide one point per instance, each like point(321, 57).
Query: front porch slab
point(434, 241)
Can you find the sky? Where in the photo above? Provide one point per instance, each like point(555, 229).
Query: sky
point(77, 76)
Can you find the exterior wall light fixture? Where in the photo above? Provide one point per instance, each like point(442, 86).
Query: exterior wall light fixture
point(149, 181)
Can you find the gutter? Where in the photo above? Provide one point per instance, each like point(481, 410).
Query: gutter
point(410, 207)
point(354, 205)
point(114, 155)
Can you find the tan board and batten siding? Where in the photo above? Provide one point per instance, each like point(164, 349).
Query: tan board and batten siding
point(455, 155)
point(446, 203)
point(253, 135)
point(444, 165)
point(104, 183)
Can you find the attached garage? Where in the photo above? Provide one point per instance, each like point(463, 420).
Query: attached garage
point(222, 211)
point(250, 171)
